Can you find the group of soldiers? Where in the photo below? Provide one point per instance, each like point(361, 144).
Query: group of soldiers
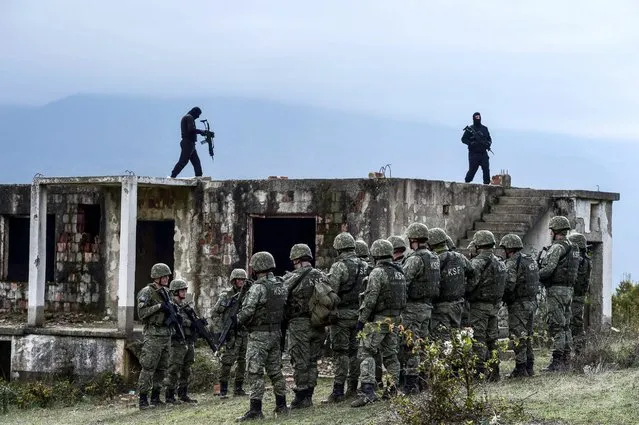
point(430, 292)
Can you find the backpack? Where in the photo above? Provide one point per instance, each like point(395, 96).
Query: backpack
point(323, 304)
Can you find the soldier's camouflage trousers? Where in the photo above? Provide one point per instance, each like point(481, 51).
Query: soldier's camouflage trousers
point(344, 345)
point(577, 323)
point(520, 328)
point(154, 359)
point(446, 316)
point(305, 348)
point(181, 359)
point(559, 299)
point(234, 350)
point(416, 319)
point(377, 338)
point(263, 353)
point(483, 320)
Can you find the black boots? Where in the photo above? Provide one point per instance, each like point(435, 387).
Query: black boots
point(411, 384)
point(169, 396)
point(338, 394)
point(302, 399)
point(280, 405)
point(155, 398)
point(144, 401)
point(367, 396)
point(530, 367)
point(493, 372)
point(238, 392)
point(556, 364)
point(519, 371)
point(351, 389)
point(224, 389)
point(181, 392)
point(255, 411)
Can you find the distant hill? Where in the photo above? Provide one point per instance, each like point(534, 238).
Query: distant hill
point(101, 134)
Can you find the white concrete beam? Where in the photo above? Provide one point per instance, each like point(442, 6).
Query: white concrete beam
point(37, 254)
point(126, 275)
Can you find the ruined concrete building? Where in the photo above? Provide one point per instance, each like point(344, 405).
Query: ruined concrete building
point(75, 251)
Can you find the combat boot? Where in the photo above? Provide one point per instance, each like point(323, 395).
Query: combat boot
point(411, 385)
point(301, 399)
point(367, 396)
point(530, 367)
point(280, 405)
point(565, 360)
point(254, 412)
point(224, 389)
point(519, 371)
point(493, 373)
point(337, 395)
point(389, 392)
point(238, 392)
point(144, 401)
point(155, 398)
point(169, 396)
point(351, 389)
point(556, 363)
point(183, 396)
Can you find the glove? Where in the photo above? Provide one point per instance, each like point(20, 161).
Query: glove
point(166, 307)
point(359, 326)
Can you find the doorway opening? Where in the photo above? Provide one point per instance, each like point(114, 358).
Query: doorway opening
point(18, 250)
point(5, 360)
point(278, 234)
point(154, 244)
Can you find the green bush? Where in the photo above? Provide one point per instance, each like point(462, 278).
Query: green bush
point(205, 372)
point(608, 350)
point(105, 385)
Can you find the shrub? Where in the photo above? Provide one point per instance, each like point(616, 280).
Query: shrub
point(104, 385)
point(625, 305)
point(205, 372)
point(608, 350)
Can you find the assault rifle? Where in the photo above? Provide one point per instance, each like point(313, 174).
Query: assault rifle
point(479, 138)
point(231, 317)
point(173, 318)
point(200, 326)
point(208, 138)
point(541, 256)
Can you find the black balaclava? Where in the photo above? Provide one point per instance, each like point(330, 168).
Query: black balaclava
point(476, 122)
point(195, 112)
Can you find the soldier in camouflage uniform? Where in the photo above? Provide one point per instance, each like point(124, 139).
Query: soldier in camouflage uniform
point(234, 348)
point(484, 293)
point(582, 285)
point(520, 295)
point(346, 277)
point(304, 340)
point(399, 249)
point(262, 314)
point(379, 315)
point(421, 269)
point(154, 358)
point(455, 270)
point(182, 353)
point(450, 244)
point(558, 273)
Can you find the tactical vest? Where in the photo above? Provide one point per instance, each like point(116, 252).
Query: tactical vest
point(349, 292)
point(582, 283)
point(188, 332)
point(426, 285)
point(527, 285)
point(392, 295)
point(453, 277)
point(492, 282)
point(158, 318)
point(299, 294)
point(269, 316)
point(566, 272)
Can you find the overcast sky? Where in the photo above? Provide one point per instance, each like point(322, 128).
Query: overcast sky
point(559, 66)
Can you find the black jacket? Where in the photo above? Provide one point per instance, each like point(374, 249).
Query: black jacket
point(479, 144)
point(188, 129)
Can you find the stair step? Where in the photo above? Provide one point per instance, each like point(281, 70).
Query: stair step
point(533, 210)
point(494, 217)
point(503, 227)
point(524, 200)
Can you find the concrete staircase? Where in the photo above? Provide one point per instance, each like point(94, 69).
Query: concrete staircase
point(516, 211)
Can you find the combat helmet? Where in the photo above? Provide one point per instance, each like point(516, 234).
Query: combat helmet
point(381, 248)
point(436, 236)
point(361, 248)
point(398, 242)
point(262, 261)
point(160, 270)
point(511, 241)
point(559, 223)
point(483, 238)
point(238, 274)
point(344, 241)
point(417, 231)
point(177, 284)
point(579, 240)
point(300, 250)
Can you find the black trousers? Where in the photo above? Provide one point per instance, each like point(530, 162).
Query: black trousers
point(188, 153)
point(476, 160)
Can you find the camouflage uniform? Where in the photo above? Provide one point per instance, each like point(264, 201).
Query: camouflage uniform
point(582, 285)
point(484, 294)
point(380, 312)
point(154, 357)
point(522, 286)
point(262, 313)
point(234, 348)
point(558, 273)
point(346, 277)
point(304, 340)
point(182, 355)
point(455, 270)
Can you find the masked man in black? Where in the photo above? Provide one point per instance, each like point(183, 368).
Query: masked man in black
point(478, 139)
point(189, 139)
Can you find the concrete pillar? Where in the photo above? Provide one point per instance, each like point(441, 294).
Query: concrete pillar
point(37, 253)
point(126, 275)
